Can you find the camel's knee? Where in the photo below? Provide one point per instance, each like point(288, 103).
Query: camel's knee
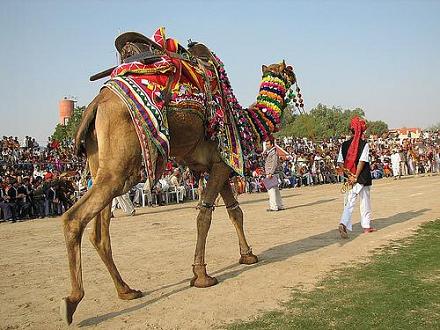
point(236, 213)
point(73, 228)
point(205, 213)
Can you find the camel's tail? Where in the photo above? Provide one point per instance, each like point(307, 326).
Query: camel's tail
point(87, 123)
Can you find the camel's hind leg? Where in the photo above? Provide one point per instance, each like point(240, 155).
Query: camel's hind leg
point(100, 238)
point(236, 216)
point(118, 168)
point(100, 235)
point(218, 175)
point(75, 220)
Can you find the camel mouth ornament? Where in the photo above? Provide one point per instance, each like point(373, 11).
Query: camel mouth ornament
point(167, 101)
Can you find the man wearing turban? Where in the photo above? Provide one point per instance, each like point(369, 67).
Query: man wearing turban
point(354, 157)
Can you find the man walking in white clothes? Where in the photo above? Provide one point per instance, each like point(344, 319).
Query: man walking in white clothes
point(271, 165)
point(125, 203)
point(354, 156)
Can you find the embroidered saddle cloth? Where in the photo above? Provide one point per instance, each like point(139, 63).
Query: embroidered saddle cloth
point(148, 89)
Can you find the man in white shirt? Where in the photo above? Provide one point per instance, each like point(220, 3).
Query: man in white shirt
point(354, 157)
point(395, 163)
point(177, 183)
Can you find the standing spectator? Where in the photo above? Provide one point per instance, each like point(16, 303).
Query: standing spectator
point(437, 160)
point(271, 165)
point(12, 192)
point(5, 206)
point(53, 207)
point(23, 199)
point(125, 203)
point(395, 163)
point(38, 198)
point(65, 190)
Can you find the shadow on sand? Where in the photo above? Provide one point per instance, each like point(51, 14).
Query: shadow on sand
point(193, 205)
point(274, 254)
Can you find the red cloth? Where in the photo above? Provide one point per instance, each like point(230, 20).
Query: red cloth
point(359, 126)
point(55, 144)
point(48, 176)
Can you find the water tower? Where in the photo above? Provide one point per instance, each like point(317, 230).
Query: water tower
point(66, 106)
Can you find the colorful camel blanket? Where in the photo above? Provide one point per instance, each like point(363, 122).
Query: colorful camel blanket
point(150, 124)
point(192, 88)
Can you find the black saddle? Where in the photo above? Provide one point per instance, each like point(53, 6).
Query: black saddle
point(135, 47)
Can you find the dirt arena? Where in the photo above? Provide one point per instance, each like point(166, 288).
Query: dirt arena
point(154, 252)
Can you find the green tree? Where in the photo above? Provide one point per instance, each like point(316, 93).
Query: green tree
point(288, 116)
point(66, 132)
point(325, 122)
point(377, 127)
point(60, 133)
point(74, 121)
point(303, 125)
point(435, 127)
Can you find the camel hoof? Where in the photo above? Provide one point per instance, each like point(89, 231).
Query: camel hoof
point(67, 309)
point(248, 259)
point(203, 282)
point(131, 294)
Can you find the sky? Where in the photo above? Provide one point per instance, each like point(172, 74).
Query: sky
point(381, 56)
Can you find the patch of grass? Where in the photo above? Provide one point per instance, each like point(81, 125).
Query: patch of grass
point(398, 289)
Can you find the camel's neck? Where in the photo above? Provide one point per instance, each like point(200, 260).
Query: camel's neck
point(259, 121)
point(266, 113)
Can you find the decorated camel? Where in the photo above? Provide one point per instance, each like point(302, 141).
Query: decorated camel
point(190, 114)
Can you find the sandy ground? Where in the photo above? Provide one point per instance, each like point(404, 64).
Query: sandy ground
point(154, 252)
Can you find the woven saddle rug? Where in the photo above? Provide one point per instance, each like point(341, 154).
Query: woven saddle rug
point(142, 87)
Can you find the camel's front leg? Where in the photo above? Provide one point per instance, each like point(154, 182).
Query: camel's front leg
point(236, 217)
point(201, 279)
point(217, 177)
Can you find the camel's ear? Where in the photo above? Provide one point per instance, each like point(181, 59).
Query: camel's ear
point(263, 68)
point(283, 65)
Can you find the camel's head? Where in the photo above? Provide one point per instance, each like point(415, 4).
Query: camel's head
point(285, 72)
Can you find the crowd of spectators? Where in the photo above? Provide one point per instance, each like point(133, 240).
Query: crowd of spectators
point(33, 179)
point(310, 162)
point(307, 163)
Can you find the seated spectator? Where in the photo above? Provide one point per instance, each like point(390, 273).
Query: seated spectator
point(177, 183)
point(387, 170)
point(160, 189)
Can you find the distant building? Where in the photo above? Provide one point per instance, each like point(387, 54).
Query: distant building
point(65, 110)
point(406, 133)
